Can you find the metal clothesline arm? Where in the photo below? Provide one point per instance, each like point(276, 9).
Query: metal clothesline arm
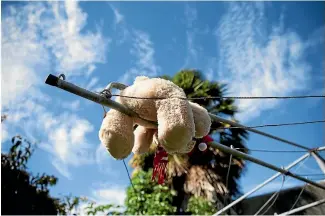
point(262, 163)
point(67, 86)
point(313, 204)
point(319, 160)
point(235, 124)
point(262, 184)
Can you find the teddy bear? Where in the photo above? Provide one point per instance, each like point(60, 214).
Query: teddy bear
point(157, 100)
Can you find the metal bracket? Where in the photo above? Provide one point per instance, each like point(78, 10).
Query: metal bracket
point(107, 92)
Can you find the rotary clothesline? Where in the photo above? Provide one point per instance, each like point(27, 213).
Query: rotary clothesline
point(241, 198)
point(61, 83)
point(104, 99)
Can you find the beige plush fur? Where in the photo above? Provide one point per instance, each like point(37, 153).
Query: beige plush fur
point(178, 120)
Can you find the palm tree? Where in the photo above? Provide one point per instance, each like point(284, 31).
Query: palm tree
point(202, 174)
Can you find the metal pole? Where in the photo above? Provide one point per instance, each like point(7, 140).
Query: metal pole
point(57, 82)
point(235, 124)
point(262, 163)
point(319, 202)
point(261, 185)
point(319, 161)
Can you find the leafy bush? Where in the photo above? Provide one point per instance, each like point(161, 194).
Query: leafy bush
point(200, 206)
point(147, 197)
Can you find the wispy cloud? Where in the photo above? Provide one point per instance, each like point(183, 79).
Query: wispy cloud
point(103, 158)
point(192, 52)
point(257, 63)
point(73, 51)
point(92, 83)
point(36, 38)
point(118, 17)
point(143, 51)
point(71, 105)
point(194, 49)
point(120, 26)
point(110, 194)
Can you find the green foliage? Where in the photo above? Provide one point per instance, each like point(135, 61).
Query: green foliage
point(109, 209)
point(69, 203)
point(147, 197)
point(24, 193)
point(200, 206)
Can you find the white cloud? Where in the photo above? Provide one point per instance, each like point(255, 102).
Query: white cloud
point(37, 37)
point(92, 83)
point(194, 48)
point(210, 68)
point(110, 194)
point(192, 52)
point(73, 51)
point(143, 51)
point(66, 136)
point(23, 54)
point(62, 168)
point(256, 63)
point(103, 158)
point(91, 69)
point(4, 133)
point(103, 194)
point(74, 105)
point(118, 17)
point(120, 26)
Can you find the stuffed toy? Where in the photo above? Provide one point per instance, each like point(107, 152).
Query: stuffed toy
point(179, 121)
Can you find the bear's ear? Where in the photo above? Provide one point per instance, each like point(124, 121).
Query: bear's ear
point(140, 78)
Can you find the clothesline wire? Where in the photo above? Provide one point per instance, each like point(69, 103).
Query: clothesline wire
point(272, 151)
point(273, 197)
point(295, 203)
point(276, 194)
point(224, 97)
point(130, 179)
point(275, 125)
point(313, 174)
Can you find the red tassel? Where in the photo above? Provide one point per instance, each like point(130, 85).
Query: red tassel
point(160, 165)
point(207, 139)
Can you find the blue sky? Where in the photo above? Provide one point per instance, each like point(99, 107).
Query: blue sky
point(258, 48)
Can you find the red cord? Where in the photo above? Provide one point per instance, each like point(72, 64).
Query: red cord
point(160, 165)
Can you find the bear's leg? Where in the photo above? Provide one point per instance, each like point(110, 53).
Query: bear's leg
point(202, 120)
point(116, 133)
point(142, 139)
point(175, 124)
